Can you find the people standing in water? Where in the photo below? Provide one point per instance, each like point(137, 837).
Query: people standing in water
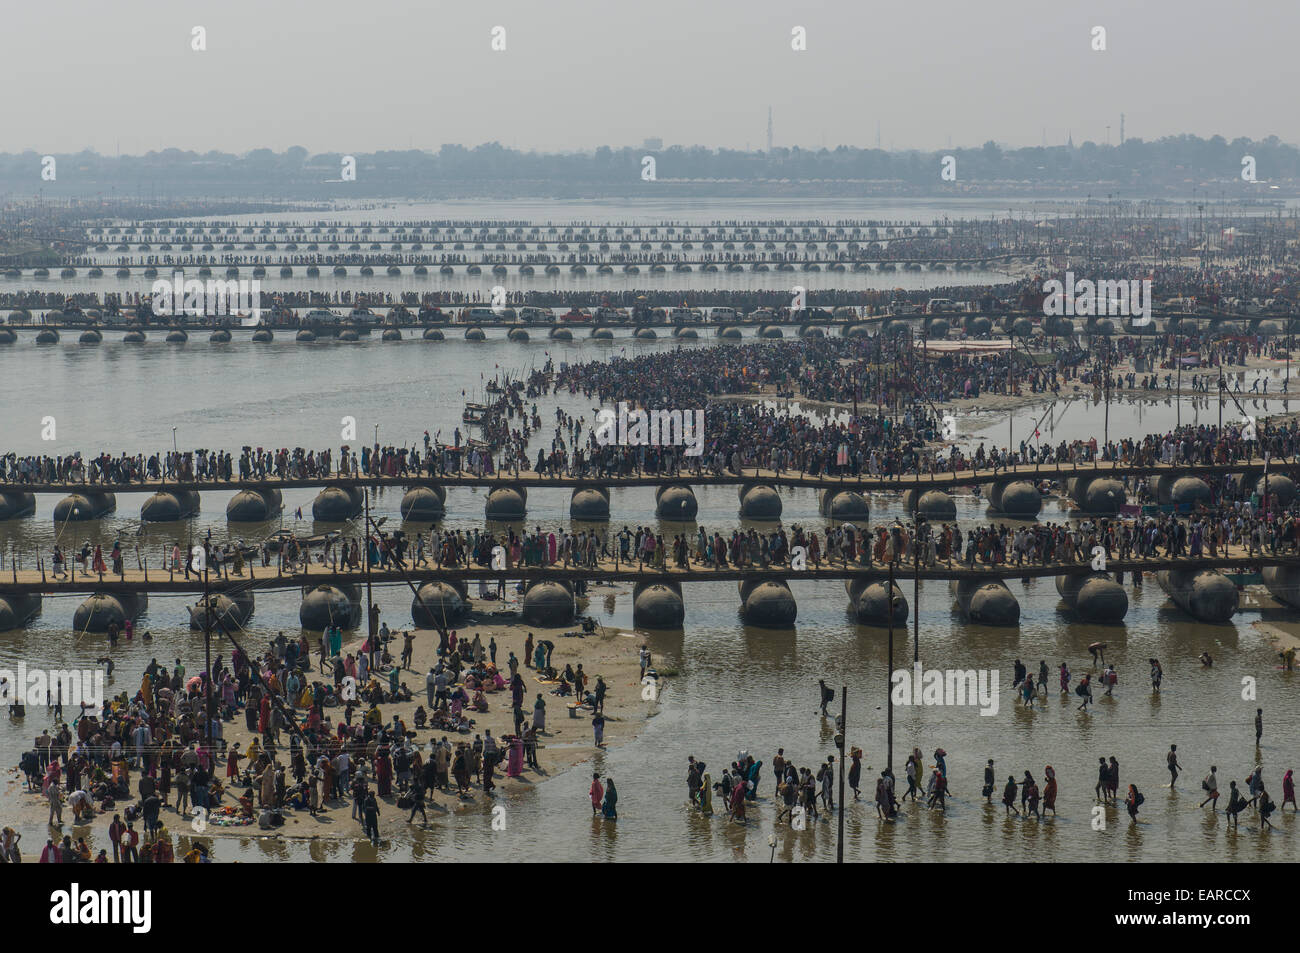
point(1009, 796)
point(737, 803)
point(828, 695)
point(855, 771)
point(1236, 803)
point(1288, 790)
point(1266, 808)
point(1133, 801)
point(989, 782)
point(609, 808)
point(596, 793)
point(1031, 799)
point(1210, 785)
point(1084, 691)
point(1172, 761)
point(1157, 675)
point(1049, 791)
point(938, 790)
point(1027, 691)
point(913, 771)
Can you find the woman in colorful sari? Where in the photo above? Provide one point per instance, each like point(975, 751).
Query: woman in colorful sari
point(610, 806)
point(596, 793)
point(98, 565)
point(515, 763)
point(738, 803)
point(1288, 790)
point(706, 795)
point(383, 771)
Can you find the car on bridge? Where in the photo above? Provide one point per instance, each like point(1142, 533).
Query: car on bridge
point(531, 315)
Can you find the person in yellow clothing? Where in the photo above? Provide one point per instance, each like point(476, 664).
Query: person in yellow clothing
point(146, 690)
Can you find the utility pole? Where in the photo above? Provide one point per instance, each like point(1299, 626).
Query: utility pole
point(372, 621)
point(844, 730)
point(207, 653)
point(1178, 387)
point(916, 590)
point(889, 677)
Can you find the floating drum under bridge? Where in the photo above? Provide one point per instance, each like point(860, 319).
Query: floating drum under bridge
point(767, 603)
point(549, 602)
point(870, 599)
point(986, 603)
point(1207, 595)
point(675, 501)
point(87, 505)
point(103, 609)
point(439, 603)
point(426, 503)
point(254, 505)
point(230, 611)
point(1093, 596)
point(589, 503)
point(658, 605)
point(328, 605)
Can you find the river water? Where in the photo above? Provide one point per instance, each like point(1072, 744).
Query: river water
point(738, 688)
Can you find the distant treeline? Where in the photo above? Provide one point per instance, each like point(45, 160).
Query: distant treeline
point(1172, 166)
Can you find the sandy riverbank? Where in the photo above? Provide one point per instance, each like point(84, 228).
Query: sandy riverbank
point(1283, 635)
point(566, 741)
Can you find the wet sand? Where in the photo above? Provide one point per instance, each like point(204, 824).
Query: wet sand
point(565, 742)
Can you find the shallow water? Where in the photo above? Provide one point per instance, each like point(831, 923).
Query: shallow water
point(738, 687)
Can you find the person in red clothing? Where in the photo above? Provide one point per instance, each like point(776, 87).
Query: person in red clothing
point(738, 802)
point(129, 840)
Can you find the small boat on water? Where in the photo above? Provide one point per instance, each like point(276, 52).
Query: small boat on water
point(475, 413)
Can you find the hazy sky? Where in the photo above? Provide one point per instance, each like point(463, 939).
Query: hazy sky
point(343, 75)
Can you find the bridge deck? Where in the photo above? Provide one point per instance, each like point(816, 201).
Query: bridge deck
point(789, 478)
point(606, 570)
